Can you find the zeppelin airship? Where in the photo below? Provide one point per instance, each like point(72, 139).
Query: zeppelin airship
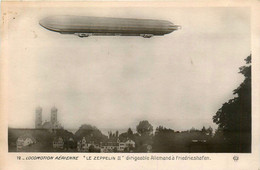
point(85, 26)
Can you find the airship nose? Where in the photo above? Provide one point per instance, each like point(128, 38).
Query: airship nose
point(178, 27)
point(48, 23)
point(43, 23)
point(173, 27)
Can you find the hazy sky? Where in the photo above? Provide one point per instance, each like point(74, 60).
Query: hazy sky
point(179, 80)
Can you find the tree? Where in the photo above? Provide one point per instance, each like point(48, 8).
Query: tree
point(203, 130)
point(194, 130)
point(92, 148)
point(123, 136)
point(130, 132)
point(209, 131)
point(143, 138)
point(127, 135)
point(116, 134)
point(163, 140)
point(144, 128)
point(234, 117)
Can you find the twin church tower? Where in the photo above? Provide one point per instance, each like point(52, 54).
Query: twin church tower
point(52, 124)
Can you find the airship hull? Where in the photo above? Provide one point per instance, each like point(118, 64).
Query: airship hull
point(86, 26)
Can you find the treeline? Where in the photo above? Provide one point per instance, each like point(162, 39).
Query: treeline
point(148, 139)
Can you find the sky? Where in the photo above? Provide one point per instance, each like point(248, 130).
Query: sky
point(178, 80)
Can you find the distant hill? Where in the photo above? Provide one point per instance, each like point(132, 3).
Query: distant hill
point(91, 133)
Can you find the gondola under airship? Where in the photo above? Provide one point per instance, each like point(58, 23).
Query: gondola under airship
point(84, 26)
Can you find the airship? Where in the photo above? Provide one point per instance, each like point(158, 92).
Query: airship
point(85, 26)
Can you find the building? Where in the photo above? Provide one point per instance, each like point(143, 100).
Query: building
point(87, 146)
point(122, 146)
point(127, 145)
point(109, 147)
point(199, 145)
point(23, 141)
point(130, 144)
point(117, 146)
point(82, 145)
point(58, 143)
point(52, 124)
point(38, 118)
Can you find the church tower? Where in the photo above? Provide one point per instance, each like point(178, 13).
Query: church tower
point(54, 111)
point(38, 117)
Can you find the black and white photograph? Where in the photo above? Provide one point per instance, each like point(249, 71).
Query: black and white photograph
point(128, 79)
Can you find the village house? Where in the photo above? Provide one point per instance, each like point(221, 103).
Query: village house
point(84, 145)
point(126, 145)
point(117, 146)
point(23, 141)
point(109, 147)
point(58, 143)
point(130, 144)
